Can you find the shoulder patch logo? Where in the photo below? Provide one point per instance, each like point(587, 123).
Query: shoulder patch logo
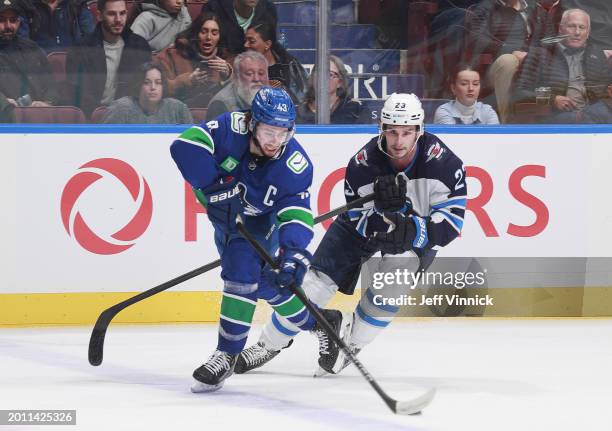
point(434, 152)
point(362, 158)
point(297, 162)
point(239, 124)
point(229, 164)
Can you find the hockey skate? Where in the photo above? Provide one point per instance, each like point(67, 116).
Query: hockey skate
point(255, 356)
point(341, 357)
point(331, 357)
point(212, 374)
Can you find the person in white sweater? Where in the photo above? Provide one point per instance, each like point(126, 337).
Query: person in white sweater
point(161, 21)
point(465, 109)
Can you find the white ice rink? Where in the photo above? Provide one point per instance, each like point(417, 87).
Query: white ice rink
point(490, 375)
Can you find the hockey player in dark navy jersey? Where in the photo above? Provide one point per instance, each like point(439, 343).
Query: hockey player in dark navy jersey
point(248, 164)
point(420, 196)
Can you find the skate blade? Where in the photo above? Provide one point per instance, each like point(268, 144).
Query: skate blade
point(345, 335)
point(199, 387)
point(320, 372)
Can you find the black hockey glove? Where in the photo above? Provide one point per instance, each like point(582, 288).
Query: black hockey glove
point(407, 233)
point(293, 262)
point(390, 193)
point(223, 204)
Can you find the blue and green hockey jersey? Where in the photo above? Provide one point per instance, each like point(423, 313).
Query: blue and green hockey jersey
point(214, 150)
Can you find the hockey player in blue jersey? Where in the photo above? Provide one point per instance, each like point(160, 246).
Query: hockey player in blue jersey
point(247, 163)
point(419, 205)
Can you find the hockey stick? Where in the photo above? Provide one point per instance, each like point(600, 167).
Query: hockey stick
point(409, 407)
point(96, 341)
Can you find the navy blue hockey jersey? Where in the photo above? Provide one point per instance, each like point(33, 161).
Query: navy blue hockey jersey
point(211, 151)
point(436, 187)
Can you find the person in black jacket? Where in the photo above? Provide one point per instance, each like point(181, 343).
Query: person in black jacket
point(237, 16)
point(26, 77)
point(99, 68)
point(283, 69)
point(61, 23)
point(600, 112)
point(575, 70)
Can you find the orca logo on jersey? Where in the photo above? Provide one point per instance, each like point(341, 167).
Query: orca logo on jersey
point(72, 206)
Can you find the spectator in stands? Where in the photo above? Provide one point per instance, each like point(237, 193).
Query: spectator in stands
point(7, 110)
point(161, 21)
point(26, 77)
point(343, 109)
point(99, 68)
point(147, 104)
point(543, 21)
point(195, 66)
point(600, 112)
point(61, 23)
point(574, 69)
point(601, 19)
point(237, 16)
point(445, 41)
point(283, 69)
point(250, 74)
point(465, 109)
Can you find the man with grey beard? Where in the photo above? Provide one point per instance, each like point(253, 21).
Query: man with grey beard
point(251, 74)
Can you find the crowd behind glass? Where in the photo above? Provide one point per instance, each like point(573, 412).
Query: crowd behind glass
point(171, 62)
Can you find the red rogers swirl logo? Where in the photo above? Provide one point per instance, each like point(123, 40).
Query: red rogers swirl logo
point(74, 222)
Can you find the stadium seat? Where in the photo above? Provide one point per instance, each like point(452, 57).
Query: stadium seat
point(198, 114)
point(530, 113)
point(305, 11)
point(343, 36)
point(98, 114)
point(57, 61)
point(49, 115)
point(430, 106)
point(195, 7)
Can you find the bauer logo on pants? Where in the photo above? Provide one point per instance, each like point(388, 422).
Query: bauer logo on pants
point(113, 225)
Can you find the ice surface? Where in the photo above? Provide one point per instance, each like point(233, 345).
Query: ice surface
point(490, 375)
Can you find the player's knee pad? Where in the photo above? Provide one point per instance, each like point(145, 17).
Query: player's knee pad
point(239, 288)
point(319, 287)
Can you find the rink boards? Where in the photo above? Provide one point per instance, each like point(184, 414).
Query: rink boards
point(92, 215)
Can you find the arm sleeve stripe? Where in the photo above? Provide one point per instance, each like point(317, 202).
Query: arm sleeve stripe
point(454, 221)
point(456, 203)
point(301, 223)
point(200, 196)
point(299, 214)
point(198, 136)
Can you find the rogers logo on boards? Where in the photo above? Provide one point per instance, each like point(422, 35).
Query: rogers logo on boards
point(75, 224)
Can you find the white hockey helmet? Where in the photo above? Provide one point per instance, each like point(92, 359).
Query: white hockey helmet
point(402, 109)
